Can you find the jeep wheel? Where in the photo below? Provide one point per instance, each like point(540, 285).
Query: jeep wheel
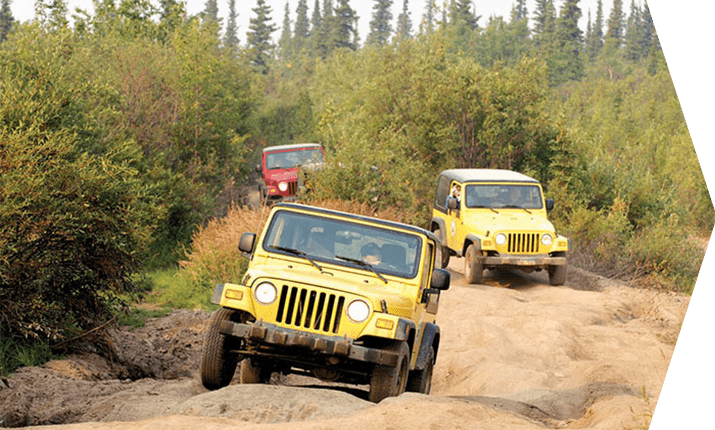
point(388, 381)
point(420, 381)
point(252, 373)
point(218, 364)
point(442, 252)
point(557, 275)
point(473, 267)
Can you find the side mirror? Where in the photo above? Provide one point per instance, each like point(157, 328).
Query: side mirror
point(452, 203)
point(258, 168)
point(247, 242)
point(549, 204)
point(440, 279)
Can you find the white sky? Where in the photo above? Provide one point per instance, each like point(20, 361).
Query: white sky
point(24, 10)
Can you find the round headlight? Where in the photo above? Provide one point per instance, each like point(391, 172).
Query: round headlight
point(500, 239)
point(547, 240)
point(358, 311)
point(283, 186)
point(265, 293)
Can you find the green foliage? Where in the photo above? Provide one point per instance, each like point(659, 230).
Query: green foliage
point(16, 352)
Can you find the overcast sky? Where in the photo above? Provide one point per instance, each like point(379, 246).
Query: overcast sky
point(24, 10)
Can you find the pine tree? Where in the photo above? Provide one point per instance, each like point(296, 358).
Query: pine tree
point(651, 43)
point(634, 34)
point(380, 27)
point(404, 23)
point(285, 43)
point(230, 38)
point(344, 30)
point(428, 23)
point(6, 20)
point(259, 36)
point(544, 23)
point(301, 30)
point(518, 11)
point(614, 33)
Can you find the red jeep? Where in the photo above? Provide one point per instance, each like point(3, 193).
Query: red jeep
point(280, 166)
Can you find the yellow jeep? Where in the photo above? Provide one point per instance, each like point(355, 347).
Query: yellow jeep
point(497, 219)
point(341, 297)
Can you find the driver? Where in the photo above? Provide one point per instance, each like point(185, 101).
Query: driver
point(371, 254)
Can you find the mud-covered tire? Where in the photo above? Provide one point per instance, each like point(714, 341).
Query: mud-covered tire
point(218, 364)
point(253, 373)
point(442, 252)
point(473, 266)
point(557, 275)
point(420, 381)
point(388, 381)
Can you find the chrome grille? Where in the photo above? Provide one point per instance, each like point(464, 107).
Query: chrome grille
point(305, 308)
point(292, 187)
point(523, 243)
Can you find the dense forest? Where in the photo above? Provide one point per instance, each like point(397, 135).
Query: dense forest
point(125, 131)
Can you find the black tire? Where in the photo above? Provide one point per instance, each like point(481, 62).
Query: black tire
point(473, 266)
point(388, 381)
point(557, 275)
point(420, 381)
point(443, 251)
point(253, 373)
point(218, 364)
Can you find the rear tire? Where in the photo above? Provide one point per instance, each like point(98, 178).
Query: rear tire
point(473, 267)
point(388, 381)
point(218, 364)
point(420, 381)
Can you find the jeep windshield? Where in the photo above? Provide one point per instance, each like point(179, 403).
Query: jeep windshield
point(344, 243)
point(293, 158)
point(500, 196)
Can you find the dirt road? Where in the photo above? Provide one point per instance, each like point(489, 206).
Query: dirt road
point(516, 353)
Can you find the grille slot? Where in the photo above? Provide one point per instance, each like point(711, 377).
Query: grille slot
point(292, 187)
point(302, 307)
point(523, 243)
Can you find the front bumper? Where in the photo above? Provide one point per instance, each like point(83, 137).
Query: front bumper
point(523, 261)
point(279, 338)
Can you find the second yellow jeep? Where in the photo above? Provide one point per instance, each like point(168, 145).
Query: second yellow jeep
point(497, 219)
point(341, 297)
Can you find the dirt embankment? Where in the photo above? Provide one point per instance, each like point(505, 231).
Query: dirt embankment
point(516, 353)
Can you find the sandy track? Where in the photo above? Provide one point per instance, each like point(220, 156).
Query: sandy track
point(515, 353)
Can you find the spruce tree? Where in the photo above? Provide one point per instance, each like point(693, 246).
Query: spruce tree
point(380, 27)
point(569, 40)
point(429, 19)
point(258, 36)
point(461, 12)
point(344, 30)
point(210, 13)
point(6, 20)
point(544, 23)
point(301, 30)
point(51, 13)
point(316, 33)
point(404, 23)
point(650, 41)
point(594, 42)
point(285, 43)
point(327, 30)
point(230, 37)
point(614, 33)
point(518, 11)
point(634, 34)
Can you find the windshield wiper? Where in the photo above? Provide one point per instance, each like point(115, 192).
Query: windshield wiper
point(483, 207)
point(517, 207)
point(299, 253)
point(363, 264)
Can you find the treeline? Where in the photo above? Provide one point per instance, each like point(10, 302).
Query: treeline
point(125, 132)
